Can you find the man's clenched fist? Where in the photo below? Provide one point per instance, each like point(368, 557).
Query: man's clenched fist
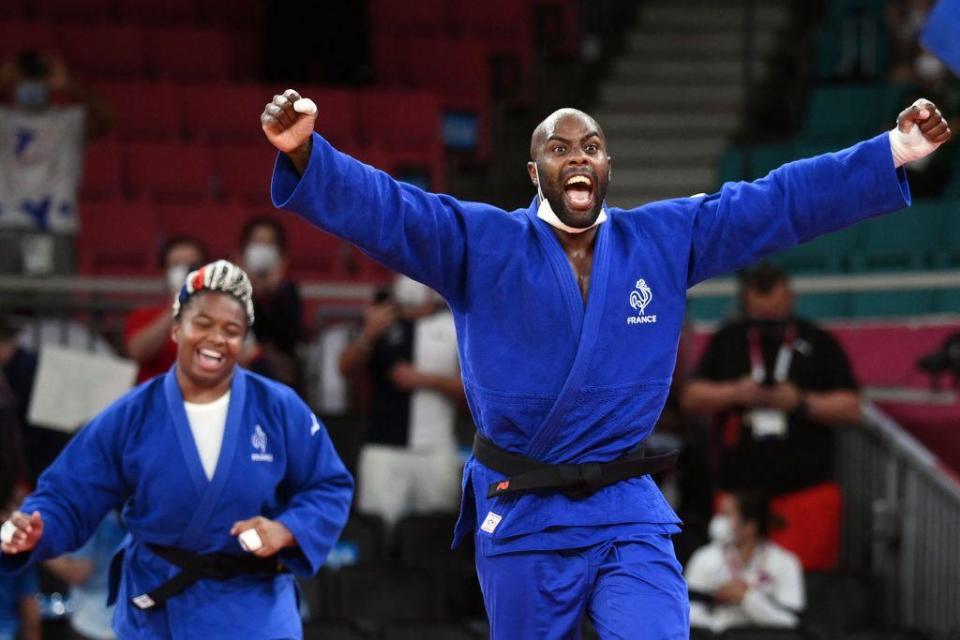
point(921, 128)
point(288, 121)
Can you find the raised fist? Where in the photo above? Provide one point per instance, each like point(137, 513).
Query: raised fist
point(288, 121)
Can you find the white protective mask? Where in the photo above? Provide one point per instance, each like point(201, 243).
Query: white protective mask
point(407, 292)
point(176, 274)
point(929, 68)
point(721, 529)
point(261, 258)
point(546, 213)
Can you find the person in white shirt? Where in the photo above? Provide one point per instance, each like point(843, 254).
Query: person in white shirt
point(742, 578)
point(408, 345)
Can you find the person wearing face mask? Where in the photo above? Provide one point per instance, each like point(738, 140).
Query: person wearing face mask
point(276, 298)
point(146, 331)
point(929, 178)
point(45, 121)
point(742, 578)
point(776, 386)
point(408, 346)
point(228, 484)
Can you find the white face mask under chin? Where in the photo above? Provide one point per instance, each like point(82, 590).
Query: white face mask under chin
point(546, 213)
point(721, 529)
point(175, 277)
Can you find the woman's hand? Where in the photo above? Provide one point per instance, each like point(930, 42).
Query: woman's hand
point(274, 536)
point(21, 532)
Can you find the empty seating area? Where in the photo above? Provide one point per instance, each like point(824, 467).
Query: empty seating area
point(183, 80)
point(473, 55)
point(860, 81)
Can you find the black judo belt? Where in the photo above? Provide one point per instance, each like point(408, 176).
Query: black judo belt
point(195, 566)
point(574, 480)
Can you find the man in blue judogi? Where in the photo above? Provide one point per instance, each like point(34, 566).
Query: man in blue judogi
point(568, 315)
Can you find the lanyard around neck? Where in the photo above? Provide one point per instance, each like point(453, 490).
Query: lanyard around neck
point(781, 367)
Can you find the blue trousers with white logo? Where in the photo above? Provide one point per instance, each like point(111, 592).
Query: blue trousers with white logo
point(632, 589)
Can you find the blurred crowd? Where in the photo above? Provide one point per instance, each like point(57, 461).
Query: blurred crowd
point(754, 419)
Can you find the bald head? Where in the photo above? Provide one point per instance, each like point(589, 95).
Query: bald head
point(547, 128)
point(570, 144)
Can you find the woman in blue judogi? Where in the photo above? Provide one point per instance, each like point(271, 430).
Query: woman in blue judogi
point(228, 484)
point(568, 315)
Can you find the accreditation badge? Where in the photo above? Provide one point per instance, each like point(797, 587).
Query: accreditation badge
point(768, 423)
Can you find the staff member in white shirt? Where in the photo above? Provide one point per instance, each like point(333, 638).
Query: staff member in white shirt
point(408, 345)
point(741, 578)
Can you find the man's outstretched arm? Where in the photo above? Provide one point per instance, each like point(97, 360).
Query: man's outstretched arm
point(746, 221)
point(411, 231)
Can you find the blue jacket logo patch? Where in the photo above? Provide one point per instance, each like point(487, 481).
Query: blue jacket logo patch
point(259, 442)
point(640, 299)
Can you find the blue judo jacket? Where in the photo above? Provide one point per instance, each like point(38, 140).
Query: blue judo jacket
point(545, 375)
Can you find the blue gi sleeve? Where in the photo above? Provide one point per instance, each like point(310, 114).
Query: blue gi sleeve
point(409, 230)
point(320, 489)
point(82, 485)
point(792, 204)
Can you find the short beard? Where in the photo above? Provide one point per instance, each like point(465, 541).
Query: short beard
point(556, 203)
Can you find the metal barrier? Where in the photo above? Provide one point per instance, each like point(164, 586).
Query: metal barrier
point(901, 523)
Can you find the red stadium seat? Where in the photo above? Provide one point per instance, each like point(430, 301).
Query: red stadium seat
point(424, 17)
point(157, 11)
point(360, 266)
point(117, 237)
point(224, 112)
point(75, 10)
point(246, 45)
point(101, 170)
point(19, 35)
point(189, 53)
point(167, 171)
point(338, 113)
point(457, 69)
point(104, 51)
point(406, 125)
point(505, 29)
point(557, 27)
point(217, 225)
point(144, 111)
point(405, 119)
point(248, 13)
point(11, 9)
point(314, 254)
point(244, 171)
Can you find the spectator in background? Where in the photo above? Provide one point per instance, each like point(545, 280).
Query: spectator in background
point(41, 160)
point(904, 20)
point(18, 370)
point(775, 386)
point(276, 298)
point(14, 474)
point(930, 177)
point(408, 346)
point(87, 571)
point(19, 610)
point(742, 578)
point(147, 331)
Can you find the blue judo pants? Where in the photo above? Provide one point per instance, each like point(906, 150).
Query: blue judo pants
point(632, 589)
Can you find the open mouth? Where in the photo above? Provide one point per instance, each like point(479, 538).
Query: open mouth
point(578, 191)
point(210, 359)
